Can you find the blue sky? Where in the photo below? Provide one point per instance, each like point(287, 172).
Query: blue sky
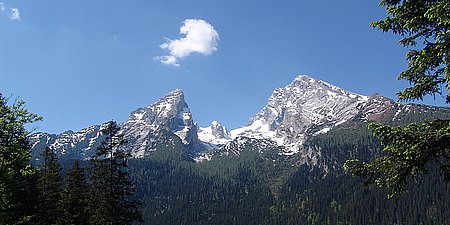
point(79, 63)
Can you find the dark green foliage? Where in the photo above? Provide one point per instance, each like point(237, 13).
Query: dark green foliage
point(241, 190)
point(100, 204)
point(315, 197)
point(354, 141)
point(49, 188)
point(111, 186)
point(312, 197)
point(15, 171)
point(424, 24)
point(75, 197)
point(254, 186)
point(183, 195)
point(416, 148)
point(409, 151)
point(176, 190)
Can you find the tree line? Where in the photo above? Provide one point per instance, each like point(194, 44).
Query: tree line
point(97, 192)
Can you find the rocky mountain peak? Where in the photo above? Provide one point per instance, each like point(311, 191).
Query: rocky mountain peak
point(304, 107)
point(218, 130)
point(169, 113)
point(145, 129)
point(215, 134)
point(163, 109)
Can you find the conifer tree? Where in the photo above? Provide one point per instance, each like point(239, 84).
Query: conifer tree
point(111, 187)
point(425, 29)
point(16, 173)
point(49, 188)
point(75, 196)
point(99, 203)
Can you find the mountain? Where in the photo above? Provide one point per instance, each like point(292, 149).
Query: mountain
point(145, 129)
point(283, 167)
point(308, 107)
point(301, 109)
point(214, 136)
point(68, 145)
point(294, 114)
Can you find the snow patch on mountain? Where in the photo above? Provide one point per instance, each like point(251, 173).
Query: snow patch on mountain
point(79, 145)
point(215, 134)
point(304, 107)
point(144, 130)
point(168, 114)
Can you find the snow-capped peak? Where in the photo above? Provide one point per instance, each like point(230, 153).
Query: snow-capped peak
point(169, 113)
point(304, 107)
point(215, 134)
point(160, 110)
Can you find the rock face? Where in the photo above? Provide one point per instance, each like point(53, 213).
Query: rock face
point(70, 145)
point(147, 126)
point(215, 134)
point(304, 108)
point(144, 130)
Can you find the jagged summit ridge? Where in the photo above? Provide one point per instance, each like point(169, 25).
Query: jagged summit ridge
point(215, 134)
point(145, 129)
point(168, 114)
point(305, 106)
point(161, 110)
point(314, 100)
point(302, 109)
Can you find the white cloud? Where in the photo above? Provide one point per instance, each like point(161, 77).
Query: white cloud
point(15, 14)
point(199, 36)
point(2, 6)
